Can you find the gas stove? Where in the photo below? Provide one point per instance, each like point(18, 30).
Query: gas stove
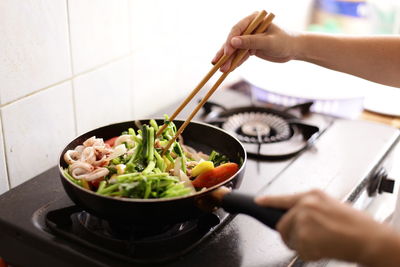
point(290, 150)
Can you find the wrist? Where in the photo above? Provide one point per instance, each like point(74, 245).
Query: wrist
point(299, 46)
point(381, 248)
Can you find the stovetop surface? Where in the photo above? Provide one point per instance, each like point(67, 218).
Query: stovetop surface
point(343, 156)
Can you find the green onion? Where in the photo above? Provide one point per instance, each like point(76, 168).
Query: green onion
point(137, 139)
point(153, 124)
point(148, 189)
point(145, 152)
point(169, 157)
point(129, 176)
point(102, 185)
point(109, 189)
point(159, 160)
point(149, 167)
point(150, 143)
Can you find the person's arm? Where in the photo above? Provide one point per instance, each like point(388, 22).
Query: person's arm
point(318, 226)
point(375, 58)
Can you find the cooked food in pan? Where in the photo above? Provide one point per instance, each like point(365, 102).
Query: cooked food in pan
point(133, 165)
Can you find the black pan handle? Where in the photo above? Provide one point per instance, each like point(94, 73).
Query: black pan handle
point(235, 202)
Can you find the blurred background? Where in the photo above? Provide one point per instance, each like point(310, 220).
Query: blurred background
point(68, 66)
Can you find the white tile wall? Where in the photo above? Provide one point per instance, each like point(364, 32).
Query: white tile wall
point(154, 79)
point(103, 96)
point(34, 47)
point(35, 130)
point(3, 172)
point(99, 32)
point(154, 22)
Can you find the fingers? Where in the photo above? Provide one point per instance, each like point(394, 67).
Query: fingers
point(286, 226)
point(296, 204)
point(319, 226)
point(237, 30)
point(256, 41)
point(227, 65)
point(227, 48)
point(302, 207)
point(217, 56)
point(246, 56)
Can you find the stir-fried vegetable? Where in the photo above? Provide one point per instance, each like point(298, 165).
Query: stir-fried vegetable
point(217, 158)
point(152, 185)
point(202, 167)
point(133, 165)
point(216, 175)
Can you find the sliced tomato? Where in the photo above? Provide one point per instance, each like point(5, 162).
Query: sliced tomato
point(216, 175)
point(111, 141)
point(3, 263)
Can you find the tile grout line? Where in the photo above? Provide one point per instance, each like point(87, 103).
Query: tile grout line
point(5, 152)
point(130, 28)
point(72, 71)
point(70, 78)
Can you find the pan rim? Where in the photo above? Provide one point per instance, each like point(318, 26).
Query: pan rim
point(197, 194)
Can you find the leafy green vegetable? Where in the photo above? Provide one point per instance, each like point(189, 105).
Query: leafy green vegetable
point(218, 158)
point(156, 185)
point(116, 161)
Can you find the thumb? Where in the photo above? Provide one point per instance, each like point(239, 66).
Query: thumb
point(248, 41)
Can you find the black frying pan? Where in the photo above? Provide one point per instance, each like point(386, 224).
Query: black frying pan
point(201, 137)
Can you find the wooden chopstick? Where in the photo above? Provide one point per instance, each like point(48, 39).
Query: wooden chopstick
point(255, 22)
point(238, 57)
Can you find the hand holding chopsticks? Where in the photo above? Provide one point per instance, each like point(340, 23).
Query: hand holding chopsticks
point(259, 24)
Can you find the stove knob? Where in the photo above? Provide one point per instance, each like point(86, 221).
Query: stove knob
point(386, 185)
point(380, 183)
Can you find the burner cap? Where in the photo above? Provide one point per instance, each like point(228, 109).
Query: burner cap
point(250, 126)
point(255, 128)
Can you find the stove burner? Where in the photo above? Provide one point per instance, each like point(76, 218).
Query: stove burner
point(133, 243)
point(255, 128)
point(266, 133)
point(134, 233)
point(258, 127)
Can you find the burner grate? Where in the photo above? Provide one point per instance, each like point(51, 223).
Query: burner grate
point(258, 127)
point(265, 133)
point(133, 243)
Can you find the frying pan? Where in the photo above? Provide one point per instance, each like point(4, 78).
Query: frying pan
point(202, 137)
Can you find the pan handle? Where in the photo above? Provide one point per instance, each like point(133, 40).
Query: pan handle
point(235, 202)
